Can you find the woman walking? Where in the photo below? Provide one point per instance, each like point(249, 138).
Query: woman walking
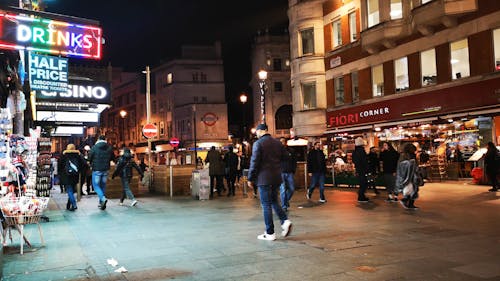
point(407, 181)
point(124, 170)
point(70, 166)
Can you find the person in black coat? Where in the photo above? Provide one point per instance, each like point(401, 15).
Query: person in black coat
point(316, 167)
point(265, 172)
point(288, 168)
point(70, 166)
point(231, 168)
point(492, 165)
point(360, 160)
point(124, 170)
point(389, 157)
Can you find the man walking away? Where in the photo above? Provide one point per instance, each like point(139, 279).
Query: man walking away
point(124, 170)
point(265, 172)
point(100, 155)
point(215, 170)
point(360, 160)
point(288, 168)
point(373, 169)
point(389, 157)
point(316, 167)
point(231, 164)
point(70, 166)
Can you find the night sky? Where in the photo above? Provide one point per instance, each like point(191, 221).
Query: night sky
point(140, 33)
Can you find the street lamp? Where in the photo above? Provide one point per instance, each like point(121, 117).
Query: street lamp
point(263, 87)
point(123, 114)
point(243, 100)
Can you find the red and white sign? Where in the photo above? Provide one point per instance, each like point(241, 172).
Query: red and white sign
point(174, 142)
point(209, 119)
point(150, 131)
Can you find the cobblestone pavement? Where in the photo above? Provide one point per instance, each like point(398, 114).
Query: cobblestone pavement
point(454, 236)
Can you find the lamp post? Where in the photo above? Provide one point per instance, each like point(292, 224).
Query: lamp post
point(123, 114)
point(243, 100)
point(148, 109)
point(263, 87)
point(194, 137)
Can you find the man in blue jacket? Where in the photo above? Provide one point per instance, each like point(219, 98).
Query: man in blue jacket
point(99, 157)
point(265, 172)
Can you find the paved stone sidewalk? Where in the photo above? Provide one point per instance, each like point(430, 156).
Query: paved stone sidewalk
point(454, 236)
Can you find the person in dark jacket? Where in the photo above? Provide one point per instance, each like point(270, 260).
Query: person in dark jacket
point(316, 167)
point(389, 158)
point(373, 169)
point(215, 170)
point(72, 159)
point(124, 171)
point(360, 160)
point(231, 167)
point(265, 172)
point(492, 165)
point(100, 157)
point(288, 168)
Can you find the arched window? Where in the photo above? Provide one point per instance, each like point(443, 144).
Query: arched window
point(283, 117)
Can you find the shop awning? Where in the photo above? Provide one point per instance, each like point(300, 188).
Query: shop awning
point(164, 147)
point(404, 122)
point(348, 129)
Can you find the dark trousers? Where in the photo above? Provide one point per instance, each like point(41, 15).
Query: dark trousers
point(493, 178)
point(363, 184)
point(231, 179)
point(219, 184)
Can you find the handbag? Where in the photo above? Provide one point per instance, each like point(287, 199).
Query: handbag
point(408, 189)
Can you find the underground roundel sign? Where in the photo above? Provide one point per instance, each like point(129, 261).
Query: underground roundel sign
point(150, 131)
point(210, 119)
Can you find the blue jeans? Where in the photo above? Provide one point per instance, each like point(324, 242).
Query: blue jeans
point(318, 178)
point(269, 201)
point(99, 179)
point(126, 190)
point(71, 196)
point(287, 188)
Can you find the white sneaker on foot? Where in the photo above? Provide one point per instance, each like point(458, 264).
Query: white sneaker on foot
point(268, 237)
point(287, 228)
point(133, 203)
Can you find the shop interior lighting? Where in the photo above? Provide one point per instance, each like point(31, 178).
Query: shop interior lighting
point(377, 129)
point(450, 120)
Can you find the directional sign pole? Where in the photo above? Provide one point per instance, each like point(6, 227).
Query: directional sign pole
point(148, 118)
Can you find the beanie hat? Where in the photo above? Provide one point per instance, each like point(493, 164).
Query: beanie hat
point(359, 141)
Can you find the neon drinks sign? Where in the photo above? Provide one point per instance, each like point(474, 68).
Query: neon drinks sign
point(18, 32)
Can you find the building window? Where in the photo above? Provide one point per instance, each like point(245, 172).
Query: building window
point(309, 95)
point(204, 99)
point(459, 59)
point(355, 87)
point(277, 64)
point(337, 34)
point(396, 9)
point(425, 1)
point(401, 74)
point(496, 45)
point(373, 12)
point(278, 87)
point(428, 67)
point(378, 80)
point(339, 90)
point(169, 79)
point(195, 77)
point(353, 33)
point(307, 41)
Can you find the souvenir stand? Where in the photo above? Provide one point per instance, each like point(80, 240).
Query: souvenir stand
point(19, 204)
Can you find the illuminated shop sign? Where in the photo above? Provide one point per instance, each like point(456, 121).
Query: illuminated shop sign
point(18, 32)
point(67, 117)
point(79, 91)
point(48, 73)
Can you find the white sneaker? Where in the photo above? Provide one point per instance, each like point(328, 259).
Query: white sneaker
point(133, 203)
point(268, 237)
point(121, 203)
point(287, 228)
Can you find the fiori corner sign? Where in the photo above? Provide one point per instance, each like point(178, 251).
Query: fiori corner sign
point(19, 32)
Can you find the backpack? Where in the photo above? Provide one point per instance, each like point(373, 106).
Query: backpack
point(71, 168)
